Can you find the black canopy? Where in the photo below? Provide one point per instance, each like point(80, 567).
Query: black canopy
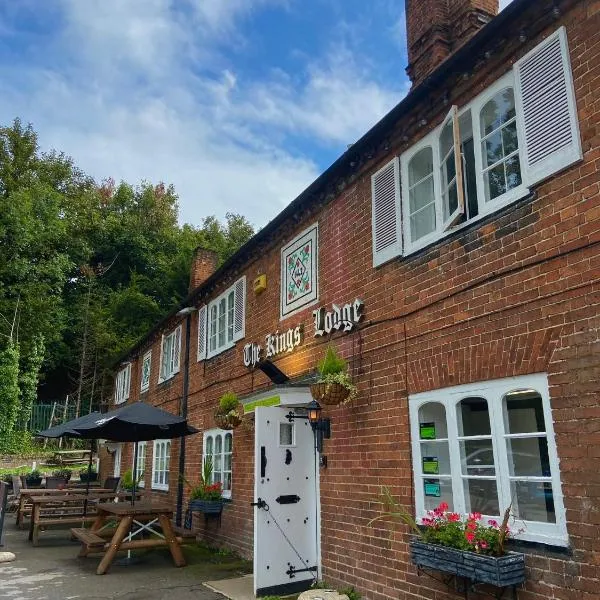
point(136, 422)
point(68, 429)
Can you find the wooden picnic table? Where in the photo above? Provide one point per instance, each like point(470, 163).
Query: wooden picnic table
point(143, 515)
point(26, 495)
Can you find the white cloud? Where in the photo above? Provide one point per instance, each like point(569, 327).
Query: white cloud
point(127, 100)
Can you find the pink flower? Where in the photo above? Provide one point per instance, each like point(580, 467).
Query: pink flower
point(493, 522)
point(453, 517)
point(483, 545)
point(443, 507)
point(470, 537)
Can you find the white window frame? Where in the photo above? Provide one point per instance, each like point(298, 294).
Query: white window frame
point(432, 139)
point(123, 384)
point(161, 456)
point(145, 382)
point(222, 433)
point(309, 234)
point(228, 343)
point(139, 469)
point(493, 391)
point(172, 365)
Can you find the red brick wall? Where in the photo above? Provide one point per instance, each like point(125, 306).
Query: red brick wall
point(516, 293)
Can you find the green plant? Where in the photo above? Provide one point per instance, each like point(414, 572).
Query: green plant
point(84, 471)
point(127, 481)
point(332, 364)
point(333, 370)
point(228, 403)
point(450, 529)
point(349, 591)
point(33, 476)
point(64, 473)
point(204, 489)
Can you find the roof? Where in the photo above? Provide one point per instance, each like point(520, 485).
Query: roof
point(459, 61)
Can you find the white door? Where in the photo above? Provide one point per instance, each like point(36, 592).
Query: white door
point(286, 527)
point(117, 469)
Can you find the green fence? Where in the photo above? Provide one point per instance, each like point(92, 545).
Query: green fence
point(41, 413)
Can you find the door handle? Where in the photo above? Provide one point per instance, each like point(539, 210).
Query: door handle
point(260, 503)
point(263, 461)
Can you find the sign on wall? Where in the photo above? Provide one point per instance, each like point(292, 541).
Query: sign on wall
point(275, 343)
point(344, 318)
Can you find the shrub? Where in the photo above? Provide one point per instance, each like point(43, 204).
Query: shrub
point(64, 473)
point(228, 402)
point(332, 363)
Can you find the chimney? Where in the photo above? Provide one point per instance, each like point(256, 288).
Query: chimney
point(204, 264)
point(437, 28)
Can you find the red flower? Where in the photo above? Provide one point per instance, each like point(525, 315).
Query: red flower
point(470, 537)
point(443, 507)
point(453, 517)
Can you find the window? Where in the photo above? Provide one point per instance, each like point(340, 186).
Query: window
point(483, 156)
point(483, 446)
point(222, 322)
point(146, 364)
point(122, 384)
point(160, 465)
point(218, 447)
point(299, 272)
point(140, 468)
point(170, 354)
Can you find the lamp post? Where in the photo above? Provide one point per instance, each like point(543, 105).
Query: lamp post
point(183, 409)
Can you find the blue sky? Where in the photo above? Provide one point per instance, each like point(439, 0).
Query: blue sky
point(239, 103)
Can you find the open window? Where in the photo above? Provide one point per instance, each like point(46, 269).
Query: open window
point(451, 171)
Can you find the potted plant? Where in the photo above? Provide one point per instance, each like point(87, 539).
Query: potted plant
point(206, 497)
point(33, 478)
point(466, 547)
point(64, 473)
point(127, 482)
point(93, 474)
point(229, 413)
point(334, 385)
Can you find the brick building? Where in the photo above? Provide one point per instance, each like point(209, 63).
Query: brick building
point(467, 224)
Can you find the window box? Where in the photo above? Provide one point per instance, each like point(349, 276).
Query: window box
point(501, 571)
point(208, 507)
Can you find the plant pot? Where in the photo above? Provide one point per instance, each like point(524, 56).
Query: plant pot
point(329, 393)
point(500, 571)
point(83, 477)
point(210, 507)
point(228, 421)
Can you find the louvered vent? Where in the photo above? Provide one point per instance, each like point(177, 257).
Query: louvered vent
point(240, 306)
point(202, 333)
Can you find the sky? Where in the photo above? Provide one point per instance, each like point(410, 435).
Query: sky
point(240, 104)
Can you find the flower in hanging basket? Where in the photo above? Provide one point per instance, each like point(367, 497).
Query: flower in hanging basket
point(229, 413)
point(334, 385)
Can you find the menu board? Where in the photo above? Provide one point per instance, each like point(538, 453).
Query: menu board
point(427, 431)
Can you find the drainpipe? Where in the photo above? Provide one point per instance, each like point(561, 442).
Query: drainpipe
point(183, 410)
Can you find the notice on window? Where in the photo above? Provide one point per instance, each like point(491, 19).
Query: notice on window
point(431, 465)
point(432, 488)
point(427, 431)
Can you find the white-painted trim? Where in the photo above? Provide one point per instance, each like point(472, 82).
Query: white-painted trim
point(493, 391)
point(147, 355)
point(142, 447)
point(169, 359)
point(214, 433)
point(161, 485)
point(215, 303)
point(123, 384)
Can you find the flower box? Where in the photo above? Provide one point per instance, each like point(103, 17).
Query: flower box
point(500, 571)
point(210, 507)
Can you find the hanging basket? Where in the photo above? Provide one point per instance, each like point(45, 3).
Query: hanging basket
point(227, 421)
point(329, 393)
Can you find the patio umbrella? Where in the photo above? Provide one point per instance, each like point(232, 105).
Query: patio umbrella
point(136, 422)
point(67, 429)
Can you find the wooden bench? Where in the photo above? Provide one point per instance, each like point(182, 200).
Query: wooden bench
point(89, 540)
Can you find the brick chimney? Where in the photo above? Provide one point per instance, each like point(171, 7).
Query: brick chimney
point(204, 264)
point(437, 28)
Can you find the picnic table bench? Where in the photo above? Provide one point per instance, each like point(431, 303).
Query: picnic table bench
point(68, 509)
point(70, 457)
point(132, 520)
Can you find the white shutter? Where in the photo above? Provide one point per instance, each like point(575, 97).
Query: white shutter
point(163, 361)
point(127, 382)
point(386, 220)
point(546, 109)
point(239, 313)
point(202, 314)
point(176, 349)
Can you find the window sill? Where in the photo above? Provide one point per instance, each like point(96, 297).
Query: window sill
point(143, 391)
point(155, 488)
point(167, 379)
point(480, 220)
point(220, 351)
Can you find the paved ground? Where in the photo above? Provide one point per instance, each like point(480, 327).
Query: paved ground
point(52, 571)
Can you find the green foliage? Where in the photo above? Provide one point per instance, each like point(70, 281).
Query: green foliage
point(350, 591)
point(9, 391)
point(64, 473)
point(127, 480)
point(84, 471)
point(332, 363)
point(205, 489)
point(450, 529)
point(33, 476)
point(228, 402)
point(88, 268)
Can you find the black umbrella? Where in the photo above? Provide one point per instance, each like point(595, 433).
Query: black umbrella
point(136, 422)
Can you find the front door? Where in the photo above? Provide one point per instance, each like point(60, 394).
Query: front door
point(286, 527)
point(117, 465)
